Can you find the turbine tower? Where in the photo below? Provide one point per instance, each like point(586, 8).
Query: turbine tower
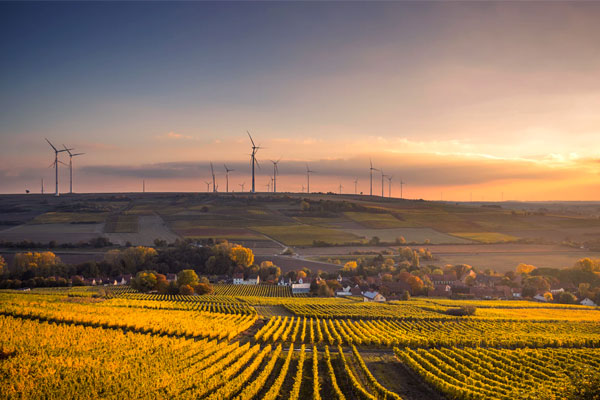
point(308, 172)
point(207, 186)
point(268, 185)
point(341, 188)
point(275, 173)
point(71, 155)
point(382, 176)
point(212, 171)
point(255, 149)
point(371, 169)
point(55, 164)
point(227, 171)
point(242, 185)
point(401, 184)
point(355, 185)
point(42, 185)
point(390, 185)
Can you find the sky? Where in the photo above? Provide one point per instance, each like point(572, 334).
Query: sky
point(458, 100)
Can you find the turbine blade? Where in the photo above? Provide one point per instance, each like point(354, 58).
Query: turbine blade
point(250, 136)
point(50, 144)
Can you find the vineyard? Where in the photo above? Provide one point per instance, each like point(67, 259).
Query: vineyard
point(72, 343)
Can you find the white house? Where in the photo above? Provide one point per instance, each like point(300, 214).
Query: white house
point(373, 296)
point(588, 302)
point(252, 280)
point(238, 279)
point(344, 292)
point(300, 288)
point(557, 291)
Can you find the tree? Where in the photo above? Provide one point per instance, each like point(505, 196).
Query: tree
point(524, 268)
point(400, 240)
point(144, 281)
point(584, 290)
point(2, 265)
point(587, 264)
point(300, 275)
point(242, 256)
point(187, 277)
point(416, 284)
point(538, 283)
point(548, 296)
point(350, 266)
point(203, 288)
point(566, 298)
point(405, 295)
point(186, 290)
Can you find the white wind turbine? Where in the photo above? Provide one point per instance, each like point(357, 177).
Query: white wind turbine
point(227, 171)
point(71, 155)
point(55, 164)
point(308, 172)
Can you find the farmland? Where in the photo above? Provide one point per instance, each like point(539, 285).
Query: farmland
point(239, 344)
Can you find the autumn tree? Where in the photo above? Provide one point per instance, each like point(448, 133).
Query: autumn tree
point(241, 256)
point(524, 268)
point(187, 277)
point(203, 288)
point(350, 266)
point(144, 281)
point(2, 265)
point(416, 284)
point(186, 290)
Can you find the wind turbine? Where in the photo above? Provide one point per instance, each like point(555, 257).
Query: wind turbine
point(308, 172)
point(71, 155)
point(212, 171)
point(255, 149)
point(382, 176)
point(227, 171)
point(390, 185)
point(401, 185)
point(42, 185)
point(268, 185)
point(207, 186)
point(143, 186)
point(55, 163)
point(275, 173)
point(341, 188)
point(355, 185)
point(371, 169)
point(242, 185)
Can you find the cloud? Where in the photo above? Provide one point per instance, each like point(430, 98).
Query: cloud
point(174, 136)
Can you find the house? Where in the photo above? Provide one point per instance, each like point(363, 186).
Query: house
point(345, 291)
point(172, 277)
point(124, 279)
point(373, 296)
point(557, 291)
point(355, 291)
point(441, 291)
point(300, 288)
point(588, 302)
point(238, 279)
point(516, 293)
point(252, 280)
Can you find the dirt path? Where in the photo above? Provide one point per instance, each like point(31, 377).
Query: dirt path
point(398, 378)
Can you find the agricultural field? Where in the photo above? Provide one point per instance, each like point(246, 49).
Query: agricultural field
point(306, 235)
point(230, 345)
point(121, 223)
point(411, 235)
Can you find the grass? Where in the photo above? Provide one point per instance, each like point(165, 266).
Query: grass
point(305, 235)
point(69, 217)
point(412, 235)
point(376, 220)
point(209, 232)
point(487, 237)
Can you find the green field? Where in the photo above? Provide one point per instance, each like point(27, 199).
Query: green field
point(487, 237)
point(305, 235)
point(69, 218)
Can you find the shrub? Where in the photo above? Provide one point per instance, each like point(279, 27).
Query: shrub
point(462, 311)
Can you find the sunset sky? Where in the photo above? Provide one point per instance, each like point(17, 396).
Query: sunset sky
point(456, 99)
